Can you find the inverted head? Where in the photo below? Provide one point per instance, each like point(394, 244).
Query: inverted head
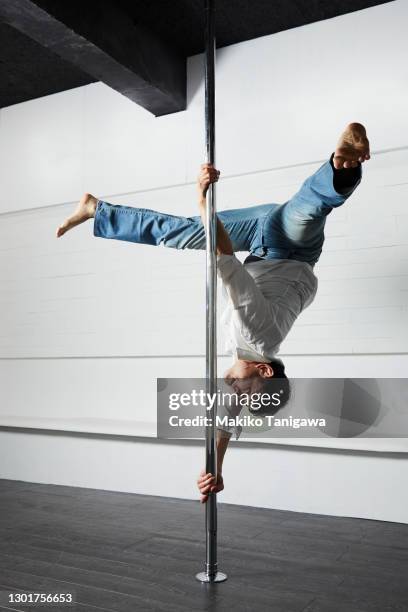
point(256, 378)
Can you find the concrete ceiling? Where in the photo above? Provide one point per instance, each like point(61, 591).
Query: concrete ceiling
point(181, 22)
point(138, 47)
point(29, 70)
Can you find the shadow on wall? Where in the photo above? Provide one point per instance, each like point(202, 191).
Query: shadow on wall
point(349, 406)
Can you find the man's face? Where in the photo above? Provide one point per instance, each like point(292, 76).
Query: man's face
point(244, 377)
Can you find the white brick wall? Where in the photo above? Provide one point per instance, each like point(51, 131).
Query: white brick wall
point(281, 102)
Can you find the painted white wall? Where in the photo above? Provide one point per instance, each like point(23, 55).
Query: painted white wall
point(84, 297)
point(104, 395)
point(306, 480)
point(82, 321)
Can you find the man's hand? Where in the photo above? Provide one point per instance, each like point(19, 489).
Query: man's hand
point(208, 174)
point(206, 484)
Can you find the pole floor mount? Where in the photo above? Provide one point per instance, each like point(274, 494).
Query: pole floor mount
point(217, 577)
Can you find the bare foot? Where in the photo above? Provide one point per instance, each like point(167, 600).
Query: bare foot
point(84, 211)
point(353, 147)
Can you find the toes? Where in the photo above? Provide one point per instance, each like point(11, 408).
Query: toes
point(67, 225)
point(340, 161)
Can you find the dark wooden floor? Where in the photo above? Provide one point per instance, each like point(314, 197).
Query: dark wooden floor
point(123, 552)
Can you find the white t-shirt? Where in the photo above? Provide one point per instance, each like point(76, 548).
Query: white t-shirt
point(264, 299)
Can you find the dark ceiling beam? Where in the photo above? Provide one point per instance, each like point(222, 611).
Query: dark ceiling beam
point(105, 43)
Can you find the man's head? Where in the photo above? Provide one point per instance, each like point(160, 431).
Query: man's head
point(254, 378)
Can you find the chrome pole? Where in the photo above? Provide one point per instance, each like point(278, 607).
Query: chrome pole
point(211, 573)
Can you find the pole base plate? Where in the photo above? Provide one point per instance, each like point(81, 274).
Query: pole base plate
point(218, 577)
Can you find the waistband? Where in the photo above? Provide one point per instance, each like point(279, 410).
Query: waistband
point(252, 258)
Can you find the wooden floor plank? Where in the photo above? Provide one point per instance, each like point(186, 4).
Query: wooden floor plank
point(122, 552)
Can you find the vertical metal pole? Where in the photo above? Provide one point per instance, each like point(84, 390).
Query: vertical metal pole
point(211, 573)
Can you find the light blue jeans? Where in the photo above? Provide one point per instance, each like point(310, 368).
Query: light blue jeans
point(294, 230)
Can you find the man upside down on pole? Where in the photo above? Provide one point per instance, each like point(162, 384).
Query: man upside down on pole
point(275, 283)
